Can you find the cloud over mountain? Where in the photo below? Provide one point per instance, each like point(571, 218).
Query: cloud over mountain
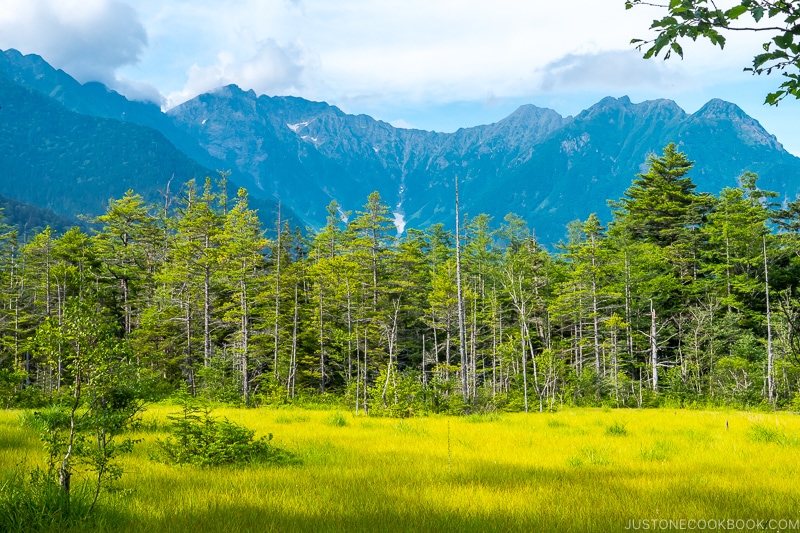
point(607, 70)
point(91, 39)
point(273, 69)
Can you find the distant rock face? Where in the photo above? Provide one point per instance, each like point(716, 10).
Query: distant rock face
point(547, 168)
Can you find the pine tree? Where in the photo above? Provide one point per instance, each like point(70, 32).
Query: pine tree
point(241, 246)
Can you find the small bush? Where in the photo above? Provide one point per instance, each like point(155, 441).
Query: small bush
point(200, 439)
point(616, 430)
point(795, 403)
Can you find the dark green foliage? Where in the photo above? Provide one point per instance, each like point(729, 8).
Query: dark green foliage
point(200, 439)
point(29, 219)
point(75, 163)
point(662, 204)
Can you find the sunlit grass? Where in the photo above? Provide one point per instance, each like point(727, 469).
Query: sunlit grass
point(575, 470)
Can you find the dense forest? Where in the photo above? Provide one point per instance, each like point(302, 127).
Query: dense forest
point(683, 298)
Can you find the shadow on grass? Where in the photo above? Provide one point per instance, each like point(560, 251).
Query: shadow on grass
point(522, 499)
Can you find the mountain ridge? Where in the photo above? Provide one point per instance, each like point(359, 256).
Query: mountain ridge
point(547, 168)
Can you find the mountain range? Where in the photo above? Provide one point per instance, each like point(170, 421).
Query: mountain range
point(69, 147)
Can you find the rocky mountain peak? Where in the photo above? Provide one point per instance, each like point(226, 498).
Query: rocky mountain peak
point(747, 128)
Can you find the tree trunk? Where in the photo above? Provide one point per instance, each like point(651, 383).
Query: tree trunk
point(277, 298)
point(461, 319)
point(770, 354)
point(245, 332)
point(653, 346)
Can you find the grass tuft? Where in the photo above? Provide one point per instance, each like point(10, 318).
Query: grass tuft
point(336, 419)
point(406, 428)
point(480, 418)
point(290, 419)
point(37, 503)
point(659, 451)
point(617, 429)
point(590, 455)
point(767, 435)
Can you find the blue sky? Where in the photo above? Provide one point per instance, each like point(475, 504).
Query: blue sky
point(436, 65)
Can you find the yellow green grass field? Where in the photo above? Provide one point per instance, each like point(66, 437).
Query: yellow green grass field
point(574, 470)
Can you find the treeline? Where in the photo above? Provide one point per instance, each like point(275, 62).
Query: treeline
point(683, 298)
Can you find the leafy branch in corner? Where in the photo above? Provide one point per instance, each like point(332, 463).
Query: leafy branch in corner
point(695, 19)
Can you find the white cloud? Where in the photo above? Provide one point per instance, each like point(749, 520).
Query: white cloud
point(89, 39)
point(609, 70)
point(139, 91)
point(273, 69)
point(400, 123)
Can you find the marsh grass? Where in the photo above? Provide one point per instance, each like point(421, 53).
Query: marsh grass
point(479, 418)
point(518, 473)
point(659, 451)
point(765, 434)
point(617, 429)
point(405, 427)
point(590, 455)
point(337, 420)
point(290, 418)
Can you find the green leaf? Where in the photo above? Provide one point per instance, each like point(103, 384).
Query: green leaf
point(735, 12)
point(678, 50)
point(760, 59)
point(758, 13)
point(783, 41)
point(774, 98)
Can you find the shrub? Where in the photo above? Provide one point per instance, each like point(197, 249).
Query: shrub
point(200, 439)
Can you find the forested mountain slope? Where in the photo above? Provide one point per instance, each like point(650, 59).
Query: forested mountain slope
point(72, 163)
